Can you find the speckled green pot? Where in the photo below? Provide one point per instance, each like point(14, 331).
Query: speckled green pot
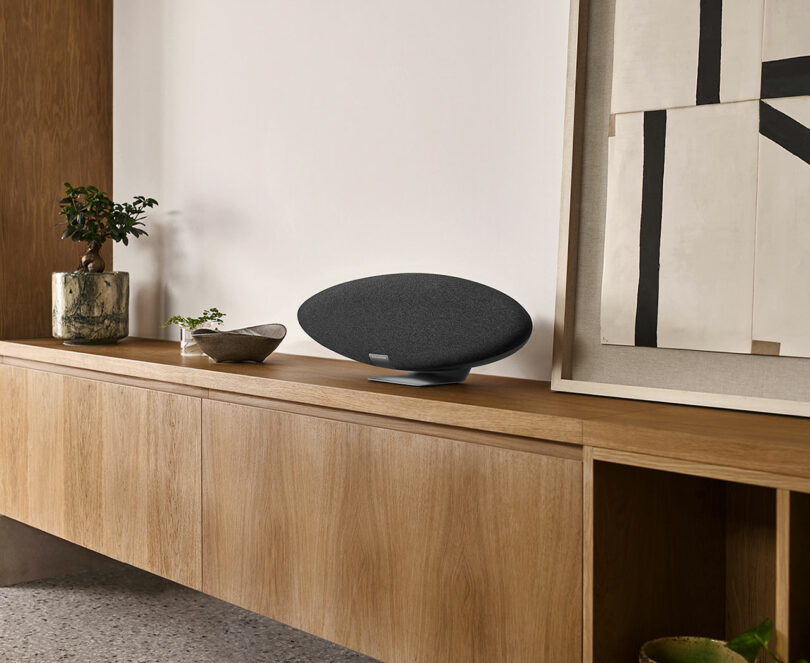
point(688, 650)
point(90, 309)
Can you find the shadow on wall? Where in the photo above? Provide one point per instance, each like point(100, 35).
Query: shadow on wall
point(163, 251)
point(537, 352)
point(149, 292)
point(532, 359)
point(139, 157)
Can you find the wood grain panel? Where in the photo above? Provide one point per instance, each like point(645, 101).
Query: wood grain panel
point(750, 556)
point(525, 408)
point(587, 554)
point(55, 126)
point(530, 445)
point(759, 442)
point(708, 470)
point(112, 378)
point(112, 468)
point(404, 546)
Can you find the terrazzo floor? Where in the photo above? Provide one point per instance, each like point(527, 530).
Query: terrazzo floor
point(125, 615)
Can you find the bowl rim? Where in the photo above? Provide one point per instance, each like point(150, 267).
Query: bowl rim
point(733, 654)
point(239, 332)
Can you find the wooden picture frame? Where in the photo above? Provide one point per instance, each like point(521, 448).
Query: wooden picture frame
point(779, 385)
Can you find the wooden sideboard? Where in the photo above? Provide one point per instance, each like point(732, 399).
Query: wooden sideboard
point(489, 521)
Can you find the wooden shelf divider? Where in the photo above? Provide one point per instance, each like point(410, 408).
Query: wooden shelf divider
point(782, 608)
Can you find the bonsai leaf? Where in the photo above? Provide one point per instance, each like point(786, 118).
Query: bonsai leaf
point(746, 645)
point(749, 644)
point(764, 631)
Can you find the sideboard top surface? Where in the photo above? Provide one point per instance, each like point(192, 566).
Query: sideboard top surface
point(526, 408)
point(503, 405)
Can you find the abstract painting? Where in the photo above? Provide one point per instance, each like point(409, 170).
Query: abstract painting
point(707, 234)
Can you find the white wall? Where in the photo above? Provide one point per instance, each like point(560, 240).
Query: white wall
point(296, 144)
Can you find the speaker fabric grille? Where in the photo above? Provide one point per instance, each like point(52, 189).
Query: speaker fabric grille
point(422, 322)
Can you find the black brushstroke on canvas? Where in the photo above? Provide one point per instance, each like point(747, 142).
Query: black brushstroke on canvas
point(652, 197)
point(786, 78)
point(710, 46)
point(784, 131)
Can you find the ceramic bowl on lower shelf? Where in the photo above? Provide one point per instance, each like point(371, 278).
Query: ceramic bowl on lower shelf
point(250, 344)
point(688, 650)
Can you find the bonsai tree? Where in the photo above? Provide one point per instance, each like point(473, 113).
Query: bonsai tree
point(212, 315)
point(91, 217)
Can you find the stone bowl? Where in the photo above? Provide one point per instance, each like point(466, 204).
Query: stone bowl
point(251, 344)
point(688, 650)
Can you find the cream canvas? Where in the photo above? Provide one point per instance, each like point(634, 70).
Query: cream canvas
point(664, 49)
point(787, 29)
point(655, 55)
point(705, 249)
point(741, 50)
point(782, 271)
point(708, 226)
point(707, 229)
point(620, 278)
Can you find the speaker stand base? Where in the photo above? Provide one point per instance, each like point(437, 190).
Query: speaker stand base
point(425, 378)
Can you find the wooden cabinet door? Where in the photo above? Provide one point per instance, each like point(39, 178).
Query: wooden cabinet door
point(403, 546)
point(110, 467)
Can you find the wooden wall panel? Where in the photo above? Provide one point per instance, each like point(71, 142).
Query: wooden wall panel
point(403, 546)
point(55, 126)
point(112, 468)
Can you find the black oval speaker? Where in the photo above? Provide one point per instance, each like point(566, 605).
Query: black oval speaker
point(437, 327)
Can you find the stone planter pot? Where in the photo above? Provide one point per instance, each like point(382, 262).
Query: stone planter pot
point(90, 309)
point(688, 650)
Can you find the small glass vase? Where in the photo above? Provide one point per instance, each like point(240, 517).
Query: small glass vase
point(188, 346)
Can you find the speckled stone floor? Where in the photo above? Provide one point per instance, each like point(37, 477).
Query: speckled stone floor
point(128, 616)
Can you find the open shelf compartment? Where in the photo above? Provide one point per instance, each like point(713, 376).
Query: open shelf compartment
point(675, 554)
